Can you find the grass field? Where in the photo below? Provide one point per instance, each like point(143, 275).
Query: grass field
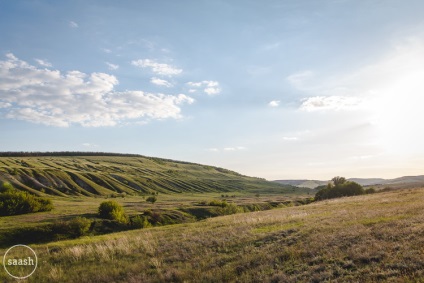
point(187, 207)
point(116, 175)
point(370, 238)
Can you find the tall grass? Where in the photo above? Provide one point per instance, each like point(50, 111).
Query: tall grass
point(370, 238)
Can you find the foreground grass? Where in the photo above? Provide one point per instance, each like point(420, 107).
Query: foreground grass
point(372, 238)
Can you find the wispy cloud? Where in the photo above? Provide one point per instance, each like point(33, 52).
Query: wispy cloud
point(73, 24)
point(300, 79)
point(317, 103)
point(227, 149)
point(274, 103)
point(235, 148)
point(90, 145)
point(388, 94)
point(54, 98)
point(271, 46)
point(43, 63)
point(157, 68)
point(160, 82)
point(209, 87)
point(111, 66)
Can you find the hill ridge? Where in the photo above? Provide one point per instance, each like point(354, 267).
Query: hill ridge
point(362, 181)
point(96, 175)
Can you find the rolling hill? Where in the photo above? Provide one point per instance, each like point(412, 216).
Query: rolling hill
point(93, 174)
point(362, 181)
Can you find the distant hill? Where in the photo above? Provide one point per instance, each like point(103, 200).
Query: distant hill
point(95, 174)
point(311, 184)
point(362, 181)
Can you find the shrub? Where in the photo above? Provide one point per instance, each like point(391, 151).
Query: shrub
point(79, 226)
point(6, 187)
point(113, 211)
point(341, 188)
point(14, 202)
point(222, 203)
point(231, 209)
point(74, 228)
point(152, 199)
point(370, 191)
point(138, 222)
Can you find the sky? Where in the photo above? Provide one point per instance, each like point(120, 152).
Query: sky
point(307, 89)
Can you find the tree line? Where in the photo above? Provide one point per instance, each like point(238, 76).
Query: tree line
point(340, 187)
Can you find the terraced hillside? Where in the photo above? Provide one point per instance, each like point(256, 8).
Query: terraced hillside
point(134, 175)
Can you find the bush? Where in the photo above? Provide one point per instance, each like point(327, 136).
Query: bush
point(74, 228)
point(222, 203)
point(59, 230)
point(231, 209)
point(341, 188)
point(6, 187)
point(79, 226)
point(138, 222)
point(14, 202)
point(113, 211)
point(152, 199)
point(370, 191)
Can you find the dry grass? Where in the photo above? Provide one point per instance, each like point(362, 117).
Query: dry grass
point(371, 238)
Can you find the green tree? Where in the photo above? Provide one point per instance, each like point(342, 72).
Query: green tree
point(13, 202)
point(339, 188)
point(113, 211)
point(338, 180)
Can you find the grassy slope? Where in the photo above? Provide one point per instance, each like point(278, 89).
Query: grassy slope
point(69, 207)
point(370, 238)
point(103, 175)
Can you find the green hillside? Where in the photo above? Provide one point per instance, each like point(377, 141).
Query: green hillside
point(369, 238)
point(94, 175)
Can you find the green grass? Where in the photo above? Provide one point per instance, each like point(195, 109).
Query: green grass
point(169, 209)
point(108, 175)
point(312, 243)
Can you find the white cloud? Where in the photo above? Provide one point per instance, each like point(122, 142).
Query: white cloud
point(157, 68)
point(5, 105)
point(160, 82)
point(209, 87)
point(106, 50)
point(330, 103)
point(389, 94)
point(212, 90)
point(193, 84)
point(274, 103)
point(61, 99)
point(91, 145)
point(227, 149)
point(235, 148)
point(73, 24)
point(43, 63)
point(111, 66)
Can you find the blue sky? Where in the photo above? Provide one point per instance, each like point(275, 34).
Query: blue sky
point(274, 89)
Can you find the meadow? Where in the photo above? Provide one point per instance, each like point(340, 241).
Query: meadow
point(226, 227)
point(77, 185)
point(368, 238)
